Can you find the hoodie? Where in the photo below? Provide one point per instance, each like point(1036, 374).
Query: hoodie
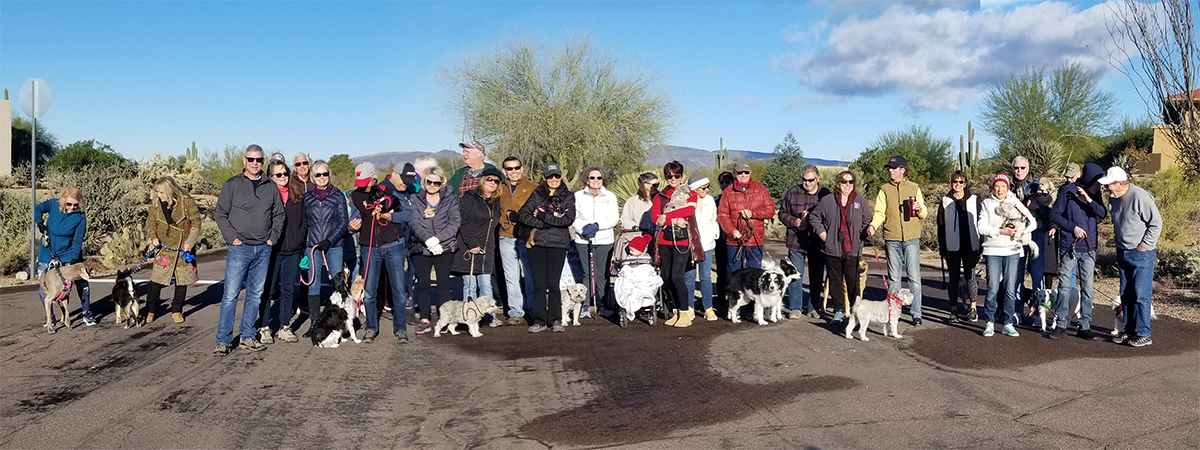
point(1070, 210)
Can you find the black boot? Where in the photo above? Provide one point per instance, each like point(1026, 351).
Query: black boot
point(314, 311)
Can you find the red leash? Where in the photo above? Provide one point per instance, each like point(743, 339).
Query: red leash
point(890, 296)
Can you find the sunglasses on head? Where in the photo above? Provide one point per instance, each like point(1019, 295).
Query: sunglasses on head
point(674, 176)
point(280, 175)
point(301, 163)
point(320, 174)
point(595, 178)
point(743, 172)
point(512, 168)
point(254, 160)
point(433, 183)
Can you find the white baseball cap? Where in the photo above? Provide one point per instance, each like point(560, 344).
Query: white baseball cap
point(1114, 175)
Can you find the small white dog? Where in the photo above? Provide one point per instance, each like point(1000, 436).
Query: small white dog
point(454, 312)
point(1119, 316)
point(886, 312)
point(1013, 218)
point(573, 298)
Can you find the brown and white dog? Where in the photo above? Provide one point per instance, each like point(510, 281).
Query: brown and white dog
point(862, 286)
point(57, 288)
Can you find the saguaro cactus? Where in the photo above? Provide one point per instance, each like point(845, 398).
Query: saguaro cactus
point(193, 154)
point(722, 156)
point(968, 153)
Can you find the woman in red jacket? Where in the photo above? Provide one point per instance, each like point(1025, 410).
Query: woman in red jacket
point(674, 207)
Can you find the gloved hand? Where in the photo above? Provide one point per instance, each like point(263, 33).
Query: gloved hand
point(42, 227)
point(436, 249)
point(512, 216)
point(589, 230)
point(323, 246)
point(432, 242)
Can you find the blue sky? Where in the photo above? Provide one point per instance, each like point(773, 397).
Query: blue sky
point(367, 77)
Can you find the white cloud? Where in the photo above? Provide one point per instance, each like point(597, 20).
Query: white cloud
point(748, 101)
point(939, 60)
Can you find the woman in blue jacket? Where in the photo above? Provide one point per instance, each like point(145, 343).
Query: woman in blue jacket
point(63, 228)
point(328, 220)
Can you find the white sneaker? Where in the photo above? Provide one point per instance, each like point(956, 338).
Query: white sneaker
point(989, 330)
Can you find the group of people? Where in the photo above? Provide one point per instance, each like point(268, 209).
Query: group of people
point(419, 224)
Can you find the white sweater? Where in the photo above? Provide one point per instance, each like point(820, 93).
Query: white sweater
point(994, 243)
point(602, 209)
point(706, 222)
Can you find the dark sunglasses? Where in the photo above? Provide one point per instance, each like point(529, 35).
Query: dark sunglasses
point(492, 180)
point(553, 177)
point(254, 160)
point(806, 180)
point(70, 204)
point(595, 178)
point(434, 183)
point(512, 168)
point(320, 174)
point(705, 187)
point(959, 181)
point(280, 175)
point(1020, 167)
point(674, 176)
point(846, 181)
point(743, 172)
point(301, 163)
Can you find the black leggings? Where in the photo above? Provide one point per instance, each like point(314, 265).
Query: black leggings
point(422, 265)
point(674, 260)
point(843, 275)
point(154, 294)
point(961, 264)
point(547, 265)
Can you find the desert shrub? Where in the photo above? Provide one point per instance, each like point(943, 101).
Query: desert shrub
point(1178, 265)
point(115, 200)
point(187, 172)
point(1179, 203)
point(220, 166)
point(14, 233)
point(80, 154)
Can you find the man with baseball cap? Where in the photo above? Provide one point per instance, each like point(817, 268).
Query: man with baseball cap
point(380, 220)
point(467, 177)
point(1136, 226)
point(899, 208)
point(744, 206)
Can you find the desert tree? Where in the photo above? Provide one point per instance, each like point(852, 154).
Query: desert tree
point(1066, 106)
point(1158, 38)
point(928, 158)
point(784, 170)
point(572, 105)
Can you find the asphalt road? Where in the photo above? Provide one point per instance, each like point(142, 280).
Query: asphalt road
point(794, 384)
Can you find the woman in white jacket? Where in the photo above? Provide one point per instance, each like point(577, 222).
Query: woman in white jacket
point(597, 213)
point(1001, 252)
point(706, 222)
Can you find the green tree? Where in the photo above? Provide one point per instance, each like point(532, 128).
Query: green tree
point(85, 153)
point(784, 170)
point(571, 106)
point(342, 170)
point(21, 136)
point(1067, 106)
point(928, 157)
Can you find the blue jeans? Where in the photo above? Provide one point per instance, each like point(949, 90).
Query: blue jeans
point(316, 267)
point(1137, 284)
point(244, 265)
point(1086, 263)
point(481, 282)
point(514, 256)
point(907, 253)
point(797, 300)
point(277, 311)
point(84, 290)
point(751, 256)
point(704, 268)
point(390, 255)
point(1001, 267)
point(1036, 268)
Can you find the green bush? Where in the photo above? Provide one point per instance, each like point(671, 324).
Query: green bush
point(187, 172)
point(220, 166)
point(1178, 266)
point(114, 199)
point(14, 232)
point(78, 155)
point(1179, 203)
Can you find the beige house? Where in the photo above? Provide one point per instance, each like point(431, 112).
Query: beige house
point(1163, 154)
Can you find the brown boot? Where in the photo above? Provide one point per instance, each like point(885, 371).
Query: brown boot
point(149, 318)
point(685, 318)
point(178, 317)
point(674, 318)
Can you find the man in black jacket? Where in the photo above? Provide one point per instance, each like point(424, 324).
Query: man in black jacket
point(379, 219)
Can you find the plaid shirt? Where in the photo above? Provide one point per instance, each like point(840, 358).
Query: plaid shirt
point(468, 182)
point(796, 202)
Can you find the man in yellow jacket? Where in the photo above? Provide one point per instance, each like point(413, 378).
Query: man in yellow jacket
point(899, 208)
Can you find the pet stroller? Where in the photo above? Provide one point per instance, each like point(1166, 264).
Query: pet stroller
point(638, 281)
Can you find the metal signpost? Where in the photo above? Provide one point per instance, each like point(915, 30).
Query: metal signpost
point(35, 101)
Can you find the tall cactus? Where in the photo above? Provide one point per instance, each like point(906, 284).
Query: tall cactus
point(968, 153)
point(722, 156)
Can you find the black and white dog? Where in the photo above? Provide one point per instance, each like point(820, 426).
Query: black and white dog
point(129, 310)
point(764, 287)
point(335, 324)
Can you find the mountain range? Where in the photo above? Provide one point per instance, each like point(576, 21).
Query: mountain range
point(659, 155)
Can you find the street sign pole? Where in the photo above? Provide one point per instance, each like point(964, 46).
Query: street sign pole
point(35, 100)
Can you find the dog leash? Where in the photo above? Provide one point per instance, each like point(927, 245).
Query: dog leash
point(324, 262)
point(890, 296)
